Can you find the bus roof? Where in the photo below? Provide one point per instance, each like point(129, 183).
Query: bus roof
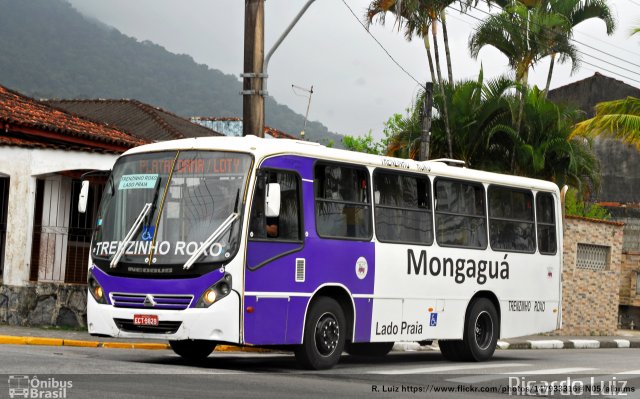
point(263, 148)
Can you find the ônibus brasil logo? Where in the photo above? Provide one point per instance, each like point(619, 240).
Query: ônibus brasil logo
point(23, 386)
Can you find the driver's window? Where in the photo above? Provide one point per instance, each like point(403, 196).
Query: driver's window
point(287, 226)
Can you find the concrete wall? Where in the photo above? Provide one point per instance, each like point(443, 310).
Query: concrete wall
point(590, 297)
point(23, 166)
point(29, 303)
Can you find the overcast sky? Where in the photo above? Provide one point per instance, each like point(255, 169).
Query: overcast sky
point(356, 86)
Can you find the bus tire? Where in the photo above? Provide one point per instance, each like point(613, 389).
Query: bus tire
point(452, 350)
point(481, 331)
point(369, 349)
point(193, 350)
point(324, 335)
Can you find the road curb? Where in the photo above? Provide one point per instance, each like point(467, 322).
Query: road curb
point(47, 341)
point(569, 344)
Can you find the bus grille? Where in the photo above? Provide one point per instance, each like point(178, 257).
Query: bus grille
point(163, 327)
point(137, 301)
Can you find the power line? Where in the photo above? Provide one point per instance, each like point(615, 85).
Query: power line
point(382, 47)
point(634, 3)
point(580, 51)
point(608, 44)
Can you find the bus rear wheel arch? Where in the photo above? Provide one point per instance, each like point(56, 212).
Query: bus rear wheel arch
point(481, 332)
point(324, 335)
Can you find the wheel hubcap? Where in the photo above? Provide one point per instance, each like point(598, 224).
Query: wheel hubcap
point(483, 330)
point(327, 334)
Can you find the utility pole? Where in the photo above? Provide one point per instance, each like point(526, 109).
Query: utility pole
point(425, 138)
point(253, 95)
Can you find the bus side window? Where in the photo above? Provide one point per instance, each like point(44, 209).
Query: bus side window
point(343, 208)
point(546, 221)
point(460, 214)
point(403, 208)
point(511, 222)
point(285, 227)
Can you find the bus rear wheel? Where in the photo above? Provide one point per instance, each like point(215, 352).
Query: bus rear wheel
point(481, 331)
point(324, 335)
point(193, 350)
point(371, 349)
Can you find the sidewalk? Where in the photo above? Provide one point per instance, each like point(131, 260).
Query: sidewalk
point(59, 337)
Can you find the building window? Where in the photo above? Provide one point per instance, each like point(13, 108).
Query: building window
point(287, 226)
point(461, 220)
point(638, 283)
point(592, 257)
point(402, 208)
point(4, 203)
point(343, 207)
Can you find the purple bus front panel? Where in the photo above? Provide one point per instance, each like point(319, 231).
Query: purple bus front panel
point(274, 273)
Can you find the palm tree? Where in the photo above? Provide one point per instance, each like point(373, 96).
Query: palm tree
point(521, 34)
point(619, 119)
point(576, 12)
point(417, 18)
point(546, 148)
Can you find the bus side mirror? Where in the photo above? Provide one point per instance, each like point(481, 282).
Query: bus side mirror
point(272, 200)
point(84, 195)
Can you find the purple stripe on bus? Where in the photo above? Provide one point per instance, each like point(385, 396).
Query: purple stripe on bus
point(267, 324)
point(126, 285)
point(364, 313)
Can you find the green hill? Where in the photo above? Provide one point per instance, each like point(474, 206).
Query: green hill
point(49, 50)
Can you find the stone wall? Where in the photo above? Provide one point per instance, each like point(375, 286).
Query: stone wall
point(44, 304)
point(629, 296)
point(590, 297)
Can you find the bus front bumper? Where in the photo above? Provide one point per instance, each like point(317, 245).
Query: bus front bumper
point(219, 322)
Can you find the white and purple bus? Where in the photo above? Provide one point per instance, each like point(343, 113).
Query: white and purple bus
point(289, 244)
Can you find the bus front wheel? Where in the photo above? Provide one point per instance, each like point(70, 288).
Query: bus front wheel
point(324, 335)
point(193, 350)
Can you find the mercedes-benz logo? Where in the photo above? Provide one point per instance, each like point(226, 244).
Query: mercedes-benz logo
point(149, 302)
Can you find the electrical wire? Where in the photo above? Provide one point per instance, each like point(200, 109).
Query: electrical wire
point(382, 47)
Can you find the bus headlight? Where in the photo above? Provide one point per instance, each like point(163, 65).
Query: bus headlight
point(96, 290)
point(216, 292)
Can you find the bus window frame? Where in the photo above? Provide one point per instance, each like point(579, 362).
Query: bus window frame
point(430, 210)
point(301, 225)
point(485, 216)
point(323, 162)
point(533, 222)
point(555, 222)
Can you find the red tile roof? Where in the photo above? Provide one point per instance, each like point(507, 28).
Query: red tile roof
point(28, 117)
point(134, 117)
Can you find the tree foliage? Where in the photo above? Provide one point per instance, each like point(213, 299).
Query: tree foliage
point(575, 205)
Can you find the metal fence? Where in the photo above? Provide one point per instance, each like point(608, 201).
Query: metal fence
point(61, 235)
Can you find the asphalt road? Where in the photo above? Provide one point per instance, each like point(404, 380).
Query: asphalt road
point(117, 373)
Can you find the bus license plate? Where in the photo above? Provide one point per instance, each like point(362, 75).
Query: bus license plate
point(145, 320)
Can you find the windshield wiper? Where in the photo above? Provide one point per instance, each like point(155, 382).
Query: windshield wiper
point(212, 238)
point(130, 234)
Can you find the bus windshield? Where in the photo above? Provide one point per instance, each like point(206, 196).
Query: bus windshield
point(159, 208)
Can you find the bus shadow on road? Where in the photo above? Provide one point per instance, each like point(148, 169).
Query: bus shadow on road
point(284, 362)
